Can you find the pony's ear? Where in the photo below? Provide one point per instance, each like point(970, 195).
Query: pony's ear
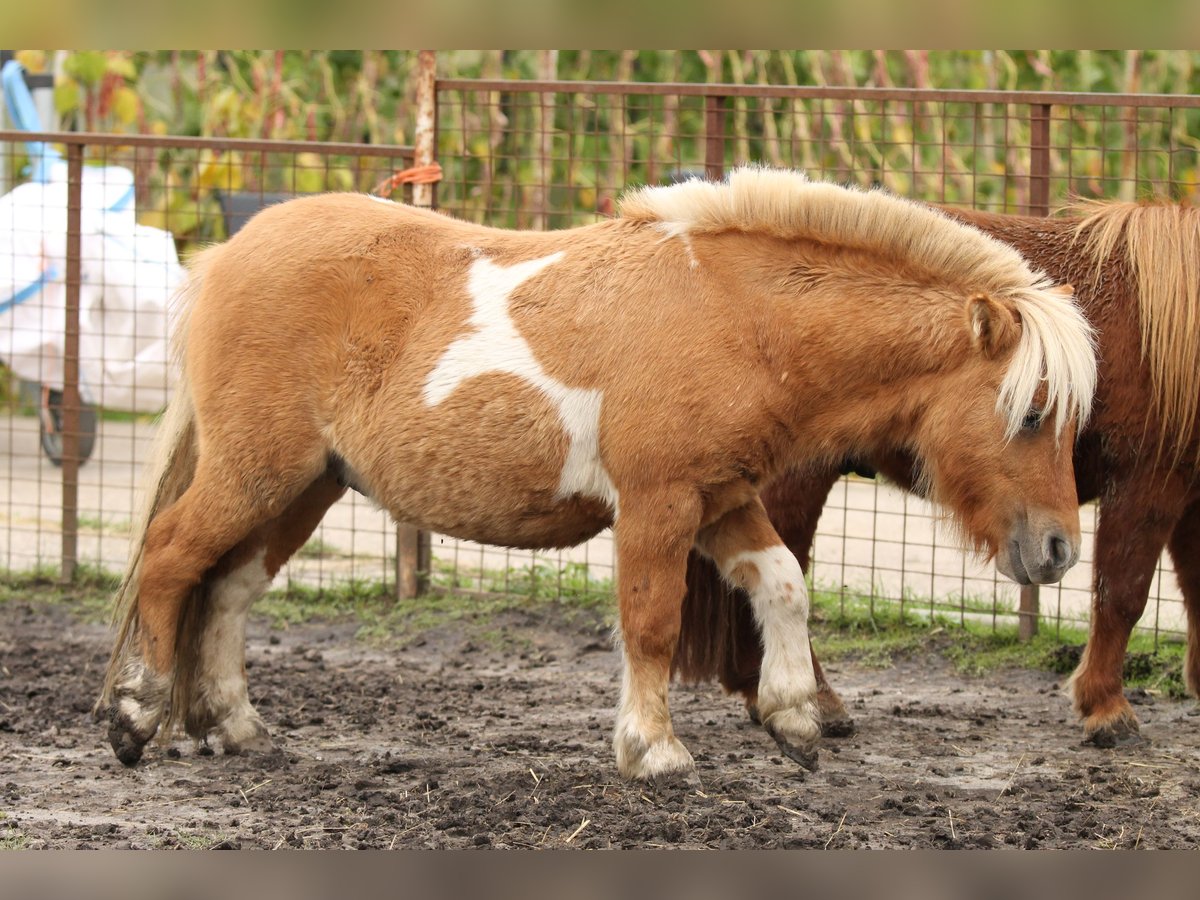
point(994, 329)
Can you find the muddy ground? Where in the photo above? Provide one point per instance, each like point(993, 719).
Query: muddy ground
point(496, 734)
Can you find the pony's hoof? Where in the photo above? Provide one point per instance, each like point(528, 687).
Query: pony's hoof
point(796, 735)
point(251, 738)
point(838, 727)
point(1121, 735)
point(663, 759)
point(675, 781)
point(127, 742)
point(752, 712)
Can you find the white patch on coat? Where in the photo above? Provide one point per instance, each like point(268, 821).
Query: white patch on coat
point(497, 347)
point(780, 604)
point(221, 685)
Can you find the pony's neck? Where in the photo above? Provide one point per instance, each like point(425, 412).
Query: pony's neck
point(850, 348)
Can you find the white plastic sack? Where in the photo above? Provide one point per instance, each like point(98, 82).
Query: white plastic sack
point(129, 273)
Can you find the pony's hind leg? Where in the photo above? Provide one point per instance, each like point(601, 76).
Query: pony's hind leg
point(219, 698)
point(182, 544)
point(751, 556)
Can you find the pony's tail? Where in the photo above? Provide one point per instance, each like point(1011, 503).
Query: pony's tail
point(168, 474)
point(718, 637)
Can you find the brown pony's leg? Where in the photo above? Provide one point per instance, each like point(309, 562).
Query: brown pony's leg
point(1185, 553)
point(750, 555)
point(219, 698)
point(1135, 521)
point(182, 544)
point(653, 535)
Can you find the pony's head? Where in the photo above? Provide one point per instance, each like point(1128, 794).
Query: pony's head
point(995, 438)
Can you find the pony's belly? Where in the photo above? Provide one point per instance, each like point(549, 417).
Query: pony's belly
point(493, 459)
point(492, 485)
point(572, 522)
point(488, 515)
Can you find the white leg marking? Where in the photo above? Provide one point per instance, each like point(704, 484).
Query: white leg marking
point(221, 694)
point(643, 740)
point(141, 698)
point(787, 686)
point(495, 346)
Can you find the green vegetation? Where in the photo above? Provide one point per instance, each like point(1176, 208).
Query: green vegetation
point(974, 645)
point(89, 594)
point(107, 526)
point(318, 549)
point(572, 583)
point(552, 160)
point(13, 841)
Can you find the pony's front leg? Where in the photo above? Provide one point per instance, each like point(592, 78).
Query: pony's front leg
point(653, 536)
point(751, 556)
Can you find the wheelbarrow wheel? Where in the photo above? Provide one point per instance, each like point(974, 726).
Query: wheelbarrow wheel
point(51, 419)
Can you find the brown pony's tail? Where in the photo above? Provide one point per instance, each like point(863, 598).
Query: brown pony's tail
point(168, 473)
point(718, 637)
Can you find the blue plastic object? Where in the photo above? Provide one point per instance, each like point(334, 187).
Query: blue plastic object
point(23, 113)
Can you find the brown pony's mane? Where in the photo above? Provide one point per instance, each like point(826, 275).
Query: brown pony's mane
point(1056, 347)
point(1161, 243)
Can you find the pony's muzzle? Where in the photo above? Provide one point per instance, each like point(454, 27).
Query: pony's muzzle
point(1038, 557)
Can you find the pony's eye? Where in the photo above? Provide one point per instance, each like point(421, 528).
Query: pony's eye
point(1032, 420)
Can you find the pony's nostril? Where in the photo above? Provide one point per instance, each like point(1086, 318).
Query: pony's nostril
point(1060, 552)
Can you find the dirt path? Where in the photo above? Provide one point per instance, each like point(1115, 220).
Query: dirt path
point(496, 734)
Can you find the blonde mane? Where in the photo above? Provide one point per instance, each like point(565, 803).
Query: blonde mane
point(1057, 345)
point(1161, 244)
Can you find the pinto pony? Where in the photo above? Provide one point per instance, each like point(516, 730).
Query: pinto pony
point(1136, 270)
point(650, 372)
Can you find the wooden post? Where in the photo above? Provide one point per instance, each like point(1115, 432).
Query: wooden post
point(413, 548)
point(71, 402)
point(425, 136)
point(1039, 205)
point(714, 137)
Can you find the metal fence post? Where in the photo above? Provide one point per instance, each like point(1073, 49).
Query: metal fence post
point(1039, 205)
point(714, 137)
point(70, 408)
point(413, 550)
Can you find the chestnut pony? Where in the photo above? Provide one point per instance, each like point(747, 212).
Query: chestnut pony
point(1136, 270)
point(650, 372)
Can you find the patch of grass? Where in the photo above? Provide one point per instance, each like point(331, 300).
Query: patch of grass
point(90, 594)
point(572, 584)
point(16, 841)
point(319, 549)
point(196, 840)
point(877, 635)
point(109, 526)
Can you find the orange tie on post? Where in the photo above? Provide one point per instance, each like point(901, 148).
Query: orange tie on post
point(430, 174)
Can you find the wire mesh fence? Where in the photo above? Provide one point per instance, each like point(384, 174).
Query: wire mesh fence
point(92, 236)
point(527, 155)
